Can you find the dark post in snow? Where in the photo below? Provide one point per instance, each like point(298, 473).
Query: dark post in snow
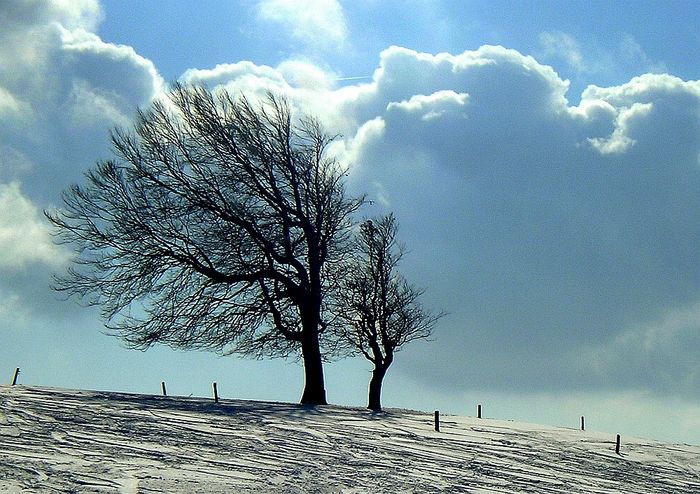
point(478, 411)
point(437, 421)
point(617, 445)
point(14, 379)
point(216, 394)
point(583, 424)
point(162, 388)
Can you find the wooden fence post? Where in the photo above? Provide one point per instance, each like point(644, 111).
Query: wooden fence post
point(617, 445)
point(216, 394)
point(478, 411)
point(162, 388)
point(437, 421)
point(14, 378)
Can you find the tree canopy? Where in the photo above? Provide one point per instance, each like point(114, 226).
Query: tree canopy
point(220, 224)
point(380, 308)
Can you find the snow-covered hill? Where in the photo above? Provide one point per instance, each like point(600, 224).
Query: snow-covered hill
point(55, 440)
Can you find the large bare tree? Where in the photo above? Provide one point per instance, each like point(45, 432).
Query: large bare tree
point(381, 310)
point(218, 225)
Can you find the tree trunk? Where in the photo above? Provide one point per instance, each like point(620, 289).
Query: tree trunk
point(375, 388)
point(314, 387)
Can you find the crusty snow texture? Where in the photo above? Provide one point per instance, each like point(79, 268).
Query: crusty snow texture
point(78, 441)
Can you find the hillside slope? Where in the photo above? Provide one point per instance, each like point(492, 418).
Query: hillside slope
point(55, 440)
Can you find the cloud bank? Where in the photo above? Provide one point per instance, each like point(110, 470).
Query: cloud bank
point(61, 90)
point(545, 227)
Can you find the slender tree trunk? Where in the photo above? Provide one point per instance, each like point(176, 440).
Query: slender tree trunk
point(375, 388)
point(314, 387)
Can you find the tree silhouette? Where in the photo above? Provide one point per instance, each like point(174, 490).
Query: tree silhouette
point(380, 308)
point(219, 225)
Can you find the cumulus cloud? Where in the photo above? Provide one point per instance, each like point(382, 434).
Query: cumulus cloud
point(431, 107)
point(115, 69)
point(31, 30)
point(619, 141)
point(84, 14)
point(24, 235)
point(61, 90)
point(309, 88)
point(247, 76)
point(306, 75)
point(319, 23)
point(539, 226)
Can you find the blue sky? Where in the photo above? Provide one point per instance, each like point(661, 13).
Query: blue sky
point(542, 158)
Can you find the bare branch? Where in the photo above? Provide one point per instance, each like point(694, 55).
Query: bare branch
point(380, 309)
point(215, 226)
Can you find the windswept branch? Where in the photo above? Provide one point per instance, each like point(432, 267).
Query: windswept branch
point(217, 225)
point(381, 311)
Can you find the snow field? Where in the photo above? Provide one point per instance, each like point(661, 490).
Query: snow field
point(54, 440)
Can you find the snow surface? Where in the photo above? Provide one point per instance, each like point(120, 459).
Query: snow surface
point(54, 440)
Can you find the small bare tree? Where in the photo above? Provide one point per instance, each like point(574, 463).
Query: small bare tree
point(218, 226)
point(380, 308)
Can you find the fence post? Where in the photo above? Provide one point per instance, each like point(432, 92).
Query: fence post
point(583, 423)
point(14, 378)
point(478, 411)
point(617, 445)
point(162, 388)
point(437, 421)
point(216, 394)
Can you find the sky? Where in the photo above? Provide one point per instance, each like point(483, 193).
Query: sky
point(542, 160)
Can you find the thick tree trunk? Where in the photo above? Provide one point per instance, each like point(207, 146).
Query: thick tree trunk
point(375, 388)
point(314, 387)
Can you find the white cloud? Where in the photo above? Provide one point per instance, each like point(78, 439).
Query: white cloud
point(88, 107)
point(539, 226)
point(306, 75)
point(632, 54)
point(246, 76)
point(433, 106)
point(559, 45)
point(24, 235)
point(14, 314)
point(84, 14)
point(620, 141)
point(643, 88)
point(506, 78)
point(13, 162)
point(61, 90)
point(9, 104)
point(30, 30)
point(319, 23)
point(116, 71)
point(618, 59)
point(309, 88)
